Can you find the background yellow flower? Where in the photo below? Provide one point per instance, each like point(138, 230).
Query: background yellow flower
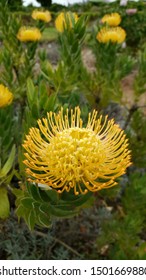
point(113, 34)
point(64, 155)
point(113, 19)
point(6, 96)
point(60, 22)
point(28, 34)
point(41, 15)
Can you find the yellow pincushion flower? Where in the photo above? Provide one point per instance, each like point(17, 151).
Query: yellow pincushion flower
point(60, 21)
point(6, 96)
point(65, 155)
point(113, 34)
point(113, 19)
point(41, 15)
point(29, 34)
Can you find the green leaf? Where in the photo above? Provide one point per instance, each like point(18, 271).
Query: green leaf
point(44, 219)
point(4, 203)
point(51, 102)
point(76, 201)
point(30, 91)
point(52, 195)
point(27, 217)
point(9, 163)
point(35, 111)
point(20, 211)
point(57, 212)
point(27, 202)
point(18, 193)
point(34, 193)
point(31, 220)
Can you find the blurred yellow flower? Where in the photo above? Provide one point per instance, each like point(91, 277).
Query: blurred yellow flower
point(113, 19)
point(6, 96)
point(41, 15)
point(113, 34)
point(60, 21)
point(29, 34)
point(64, 155)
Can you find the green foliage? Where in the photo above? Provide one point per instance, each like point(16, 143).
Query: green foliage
point(13, 5)
point(69, 78)
point(40, 100)
point(38, 206)
point(9, 57)
point(4, 203)
point(139, 82)
point(137, 138)
point(122, 230)
point(112, 65)
point(5, 169)
point(6, 173)
point(135, 25)
point(45, 3)
point(17, 58)
point(6, 132)
point(71, 41)
point(18, 243)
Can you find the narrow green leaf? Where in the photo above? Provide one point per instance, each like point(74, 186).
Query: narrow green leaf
point(30, 91)
point(56, 211)
point(4, 203)
point(9, 163)
point(35, 111)
point(31, 220)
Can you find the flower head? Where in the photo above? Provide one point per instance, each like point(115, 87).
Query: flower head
point(113, 34)
point(41, 15)
point(65, 155)
point(60, 21)
point(6, 96)
point(113, 19)
point(28, 34)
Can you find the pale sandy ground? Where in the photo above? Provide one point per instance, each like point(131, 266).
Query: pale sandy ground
point(128, 93)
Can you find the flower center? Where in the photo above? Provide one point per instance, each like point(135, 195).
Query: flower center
point(73, 154)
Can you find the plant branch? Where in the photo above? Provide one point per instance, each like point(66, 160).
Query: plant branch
point(132, 110)
point(59, 241)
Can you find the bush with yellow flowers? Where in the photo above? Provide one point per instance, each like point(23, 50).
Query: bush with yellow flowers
point(72, 134)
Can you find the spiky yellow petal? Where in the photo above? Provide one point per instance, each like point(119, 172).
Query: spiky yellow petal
point(60, 22)
point(64, 155)
point(112, 19)
point(113, 34)
point(41, 15)
point(29, 34)
point(6, 96)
